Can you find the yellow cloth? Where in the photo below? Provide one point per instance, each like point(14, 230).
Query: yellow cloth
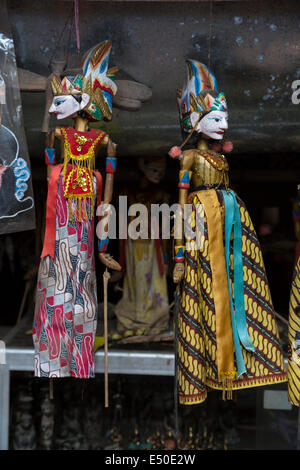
point(294, 340)
point(225, 355)
point(99, 343)
point(197, 319)
point(145, 298)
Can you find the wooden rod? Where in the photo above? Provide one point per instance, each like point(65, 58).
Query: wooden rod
point(51, 388)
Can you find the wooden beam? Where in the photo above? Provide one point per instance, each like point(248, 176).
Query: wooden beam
point(30, 81)
point(170, 1)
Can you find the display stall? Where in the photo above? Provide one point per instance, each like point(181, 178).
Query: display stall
point(149, 225)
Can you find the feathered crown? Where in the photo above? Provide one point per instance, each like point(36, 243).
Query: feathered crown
point(192, 97)
point(96, 80)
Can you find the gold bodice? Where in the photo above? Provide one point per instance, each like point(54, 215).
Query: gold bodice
point(209, 168)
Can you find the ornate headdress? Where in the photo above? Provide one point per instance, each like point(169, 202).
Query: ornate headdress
point(199, 94)
point(96, 80)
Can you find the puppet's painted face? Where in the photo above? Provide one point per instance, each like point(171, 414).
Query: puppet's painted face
point(65, 106)
point(212, 125)
point(154, 170)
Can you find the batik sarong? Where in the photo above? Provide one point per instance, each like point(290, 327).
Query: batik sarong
point(197, 342)
point(66, 303)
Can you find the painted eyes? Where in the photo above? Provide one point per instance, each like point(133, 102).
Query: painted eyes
point(215, 119)
point(58, 102)
point(219, 120)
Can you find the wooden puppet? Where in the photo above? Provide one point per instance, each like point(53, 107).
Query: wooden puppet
point(144, 306)
point(227, 333)
point(66, 304)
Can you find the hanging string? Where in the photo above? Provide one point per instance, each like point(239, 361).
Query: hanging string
point(68, 43)
point(191, 133)
point(76, 19)
point(59, 40)
point(210, 33)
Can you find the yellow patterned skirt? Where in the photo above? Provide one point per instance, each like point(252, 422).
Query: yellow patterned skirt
point(197, 343)
point(294, 339)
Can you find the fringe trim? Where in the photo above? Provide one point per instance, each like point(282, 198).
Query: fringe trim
point(251, 382)
point(227, 378)
point(234, 385)
point(83, 166)
point(86, 160)
point(192, 399)
point(78, 210)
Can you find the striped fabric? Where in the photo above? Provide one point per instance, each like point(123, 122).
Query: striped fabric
point(197, 345)
point(65, 317)
point(294, 339)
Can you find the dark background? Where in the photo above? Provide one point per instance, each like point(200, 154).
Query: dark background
point(254, 52)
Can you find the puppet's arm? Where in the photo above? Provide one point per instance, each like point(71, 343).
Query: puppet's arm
point(111, 162)
point(50, 157)
point(186, 163)
point(50, 152)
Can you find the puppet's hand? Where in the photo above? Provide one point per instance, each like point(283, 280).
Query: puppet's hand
point(175, 152)
point(178, 272)
point(226, 147)
point(109, 262)
point(111, 149)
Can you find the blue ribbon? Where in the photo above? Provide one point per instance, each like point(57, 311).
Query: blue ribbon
point(237, 306)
